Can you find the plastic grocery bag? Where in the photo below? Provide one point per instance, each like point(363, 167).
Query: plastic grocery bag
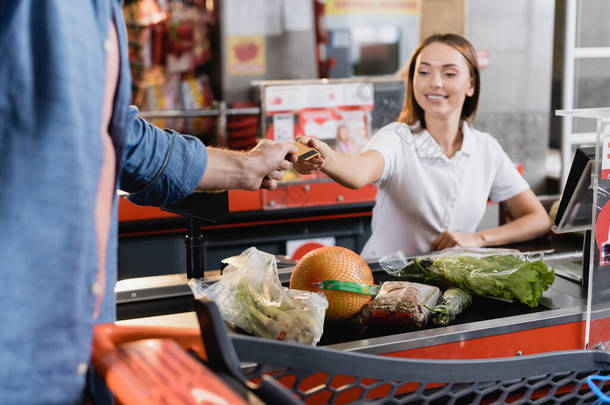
point(500, 273)
point(250, 296)
point(403, 303)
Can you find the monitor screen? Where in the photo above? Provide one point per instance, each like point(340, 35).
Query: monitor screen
point(575, 206)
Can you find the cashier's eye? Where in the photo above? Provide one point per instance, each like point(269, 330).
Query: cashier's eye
point(422, 72)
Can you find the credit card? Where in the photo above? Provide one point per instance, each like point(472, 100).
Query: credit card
point(305, 152)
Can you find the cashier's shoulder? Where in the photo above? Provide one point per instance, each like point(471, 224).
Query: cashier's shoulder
point(479, 141)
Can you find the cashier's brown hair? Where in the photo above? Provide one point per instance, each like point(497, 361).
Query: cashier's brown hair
point(412, 113)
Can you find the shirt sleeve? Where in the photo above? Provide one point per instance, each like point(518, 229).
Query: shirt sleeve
point(508, 182)
point(387, 142)
point(160, 166)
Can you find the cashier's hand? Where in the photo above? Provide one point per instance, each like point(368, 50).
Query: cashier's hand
point(269, 160)
point(449, 239)
point(316, 163)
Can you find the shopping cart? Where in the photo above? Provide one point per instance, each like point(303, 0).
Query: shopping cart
point(318, 375)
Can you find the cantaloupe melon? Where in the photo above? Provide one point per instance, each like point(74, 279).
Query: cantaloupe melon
point(334, 263)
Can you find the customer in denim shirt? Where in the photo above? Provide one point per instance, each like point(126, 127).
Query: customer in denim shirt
point(68, 140)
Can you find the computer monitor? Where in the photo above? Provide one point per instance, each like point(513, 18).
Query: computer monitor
point(575, 206)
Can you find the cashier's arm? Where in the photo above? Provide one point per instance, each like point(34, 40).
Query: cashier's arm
point(530, 221)
point(353, 171)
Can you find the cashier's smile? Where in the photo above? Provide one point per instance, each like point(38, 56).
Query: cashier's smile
point(436, 97)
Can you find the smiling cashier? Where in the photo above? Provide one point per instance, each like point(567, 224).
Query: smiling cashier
point(434, 171)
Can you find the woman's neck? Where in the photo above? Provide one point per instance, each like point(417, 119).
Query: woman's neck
point(447, 134)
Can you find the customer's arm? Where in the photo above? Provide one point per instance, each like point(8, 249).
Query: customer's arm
point(159, 166)
point(260, 167)
point(163, 166)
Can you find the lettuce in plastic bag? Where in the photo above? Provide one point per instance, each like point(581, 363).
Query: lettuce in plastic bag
point(250, 296)
point(506, 276)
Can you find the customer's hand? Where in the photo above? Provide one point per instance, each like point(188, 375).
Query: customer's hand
point(269, 161)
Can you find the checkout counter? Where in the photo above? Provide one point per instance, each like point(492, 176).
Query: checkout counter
point(489, 328)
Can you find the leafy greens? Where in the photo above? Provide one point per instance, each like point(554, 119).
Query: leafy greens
point(503, 276)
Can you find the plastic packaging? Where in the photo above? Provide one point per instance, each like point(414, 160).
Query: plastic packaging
point(501, 273)
point(403, 303)
point(250, 296)
point(453, 302)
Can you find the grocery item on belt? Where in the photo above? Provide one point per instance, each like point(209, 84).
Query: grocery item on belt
point(453, 302)
point(403, 303)
point(344, 276)
point(509, 276)
point(249, 295)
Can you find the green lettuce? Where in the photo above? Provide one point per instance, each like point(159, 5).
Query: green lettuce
point(503, 276)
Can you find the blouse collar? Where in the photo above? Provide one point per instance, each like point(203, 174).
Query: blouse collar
point(427, 147)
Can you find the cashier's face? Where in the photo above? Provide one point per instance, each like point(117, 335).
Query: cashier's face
point(441, 81)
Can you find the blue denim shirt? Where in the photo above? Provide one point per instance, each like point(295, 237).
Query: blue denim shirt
point(52, 73)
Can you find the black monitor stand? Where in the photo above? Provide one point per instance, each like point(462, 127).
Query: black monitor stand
point(199, 209)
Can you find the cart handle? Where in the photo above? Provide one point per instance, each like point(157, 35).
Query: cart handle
point(222, 357)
